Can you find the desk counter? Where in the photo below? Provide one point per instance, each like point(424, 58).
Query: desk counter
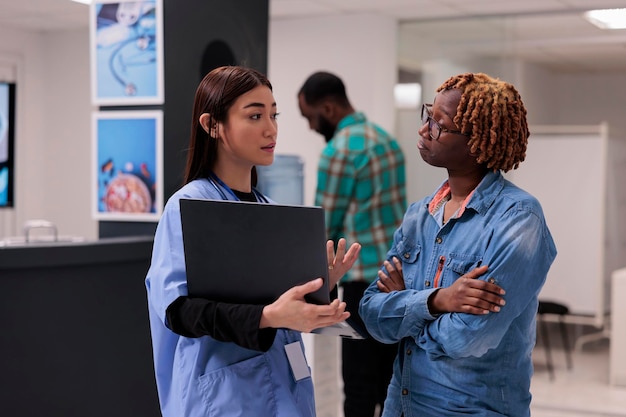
point(76, 336)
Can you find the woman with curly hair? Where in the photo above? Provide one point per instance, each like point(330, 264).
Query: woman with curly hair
point(459, 287)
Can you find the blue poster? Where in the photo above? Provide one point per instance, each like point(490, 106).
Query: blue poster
point(127, 165)
point(126, 52)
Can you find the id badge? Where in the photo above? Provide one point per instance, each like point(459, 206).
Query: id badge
point(297, 361)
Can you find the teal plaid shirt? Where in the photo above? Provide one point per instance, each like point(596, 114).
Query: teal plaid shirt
point(361, 185)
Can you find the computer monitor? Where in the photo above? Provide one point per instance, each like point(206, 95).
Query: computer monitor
point(7, 140)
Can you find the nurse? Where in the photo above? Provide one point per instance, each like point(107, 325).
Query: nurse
point(219, 359)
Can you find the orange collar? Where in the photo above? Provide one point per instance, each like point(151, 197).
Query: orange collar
point(442, 196)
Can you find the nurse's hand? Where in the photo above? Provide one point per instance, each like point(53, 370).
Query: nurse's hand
point(393, 279)
point(341, 261)
point(291, 311)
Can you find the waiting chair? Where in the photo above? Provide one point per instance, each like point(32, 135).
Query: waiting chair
point(561, 310)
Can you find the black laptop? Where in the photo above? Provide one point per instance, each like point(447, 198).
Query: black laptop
point(244, 252)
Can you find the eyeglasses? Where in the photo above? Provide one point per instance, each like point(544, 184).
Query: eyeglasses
point(434, 128)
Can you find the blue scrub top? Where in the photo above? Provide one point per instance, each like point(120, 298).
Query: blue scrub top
point(202, 376)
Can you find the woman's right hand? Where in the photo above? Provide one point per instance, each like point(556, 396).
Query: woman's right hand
point(291, 311)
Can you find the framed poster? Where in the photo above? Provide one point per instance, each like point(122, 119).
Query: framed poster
point(126, 50)
point(127, 171)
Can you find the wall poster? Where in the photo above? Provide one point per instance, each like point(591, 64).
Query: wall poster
point(127, 171)
point(126, 49)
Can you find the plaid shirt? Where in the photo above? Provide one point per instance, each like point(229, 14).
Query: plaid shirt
point(361, 185)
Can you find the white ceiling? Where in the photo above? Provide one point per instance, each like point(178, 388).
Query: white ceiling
point(550, 32)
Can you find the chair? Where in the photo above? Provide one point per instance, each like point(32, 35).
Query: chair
point(560, 310)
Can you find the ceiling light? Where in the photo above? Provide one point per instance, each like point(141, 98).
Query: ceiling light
point(83, 1)
point(608, 18)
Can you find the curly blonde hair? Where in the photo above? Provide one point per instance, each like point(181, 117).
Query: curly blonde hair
point(493, 113)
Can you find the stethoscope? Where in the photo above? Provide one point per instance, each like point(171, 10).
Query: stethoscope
point(145, 44)
point(219, 185)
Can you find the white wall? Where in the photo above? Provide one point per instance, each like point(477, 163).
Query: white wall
point(586, 99)
point(539, 90)
point(68, 134)
point(360, 49)
point(52, 145)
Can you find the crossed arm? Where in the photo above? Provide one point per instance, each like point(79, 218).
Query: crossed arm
point(466, 295)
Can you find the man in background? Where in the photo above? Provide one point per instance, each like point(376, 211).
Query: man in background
point(361, 185)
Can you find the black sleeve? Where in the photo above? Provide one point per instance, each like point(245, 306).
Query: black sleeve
point(237, 323)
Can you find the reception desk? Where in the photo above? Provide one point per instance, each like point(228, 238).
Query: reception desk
point(75, 336)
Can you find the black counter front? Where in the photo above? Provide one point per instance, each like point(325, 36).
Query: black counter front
point(75, 339)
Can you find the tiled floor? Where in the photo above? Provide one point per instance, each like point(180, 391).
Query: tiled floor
point(583, 391)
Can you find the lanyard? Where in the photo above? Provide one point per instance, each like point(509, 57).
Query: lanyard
point(220, 186)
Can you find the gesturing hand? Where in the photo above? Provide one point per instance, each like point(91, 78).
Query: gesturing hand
point(291, 311)
point(393, 280)
point(340, 262)
point(468, 295)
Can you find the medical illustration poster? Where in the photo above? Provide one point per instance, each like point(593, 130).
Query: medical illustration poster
point(126, 42)
point(127, 173)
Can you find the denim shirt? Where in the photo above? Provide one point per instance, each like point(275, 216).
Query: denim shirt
point(201, 377)
point(457, 363)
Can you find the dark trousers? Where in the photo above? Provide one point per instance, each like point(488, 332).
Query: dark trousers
point(367, 365)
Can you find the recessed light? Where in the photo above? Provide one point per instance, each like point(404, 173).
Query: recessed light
point(608, 18)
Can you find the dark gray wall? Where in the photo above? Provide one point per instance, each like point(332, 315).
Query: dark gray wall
point(199, 36)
